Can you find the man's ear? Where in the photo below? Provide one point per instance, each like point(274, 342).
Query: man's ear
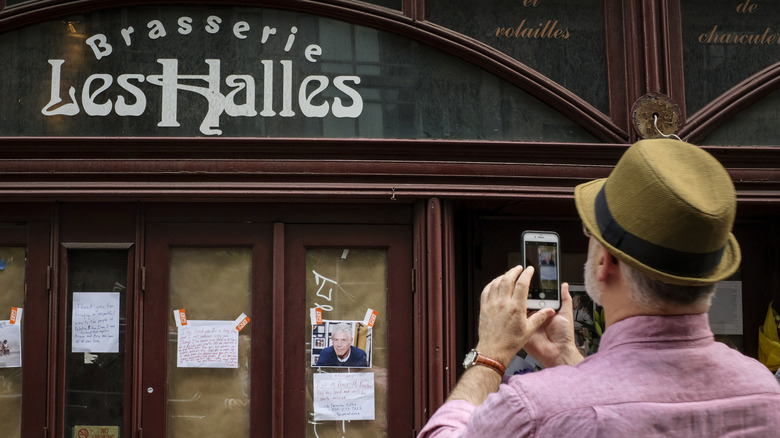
point(607, 264)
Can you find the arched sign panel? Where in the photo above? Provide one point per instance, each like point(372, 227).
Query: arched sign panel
point(251, 72)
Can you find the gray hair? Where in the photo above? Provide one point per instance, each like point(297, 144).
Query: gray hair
point(650, 292)
point(342, 327)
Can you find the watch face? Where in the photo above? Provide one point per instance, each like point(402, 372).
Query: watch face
point(471, 356)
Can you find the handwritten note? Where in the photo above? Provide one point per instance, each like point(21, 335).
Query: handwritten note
point(208, 344)
point(343, 396)
point(95, 322)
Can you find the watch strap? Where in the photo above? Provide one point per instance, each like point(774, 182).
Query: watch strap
point(493, 364)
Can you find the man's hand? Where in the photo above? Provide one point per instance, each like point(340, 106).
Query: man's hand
point(505, 325)
point(553, 344)
point(504, 328)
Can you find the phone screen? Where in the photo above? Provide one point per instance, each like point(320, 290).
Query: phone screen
point(543, 256)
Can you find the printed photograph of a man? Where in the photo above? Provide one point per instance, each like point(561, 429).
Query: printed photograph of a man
point(341, 351)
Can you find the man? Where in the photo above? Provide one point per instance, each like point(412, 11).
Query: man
point(660, 238)
point(342, 353)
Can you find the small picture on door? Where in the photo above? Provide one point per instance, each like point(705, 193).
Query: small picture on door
point(341, 344)
point(10, 345)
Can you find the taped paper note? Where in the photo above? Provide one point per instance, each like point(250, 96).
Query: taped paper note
point(180, 317)
point(16, 315)
point(370, 318)
point(242, 321)
point(343, 396)
point(95, 322)
point(208, 344)
point(315, 314)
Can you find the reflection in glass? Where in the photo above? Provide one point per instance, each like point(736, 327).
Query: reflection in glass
point(565, 40)
point(755, 126)
point(210, 284)
point(724, 43)
point(12, 276)
point(95, 382)
point(344, 283)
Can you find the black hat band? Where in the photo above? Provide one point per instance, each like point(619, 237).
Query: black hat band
point(670, 261)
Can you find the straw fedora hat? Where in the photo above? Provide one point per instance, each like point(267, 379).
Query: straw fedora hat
point(666, 209)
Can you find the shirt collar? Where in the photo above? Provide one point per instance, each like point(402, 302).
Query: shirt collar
point(657, 328)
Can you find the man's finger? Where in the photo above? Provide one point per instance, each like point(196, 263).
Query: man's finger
point(508, 280)
point(566, 303)
point(523, 282)
point(537, 319)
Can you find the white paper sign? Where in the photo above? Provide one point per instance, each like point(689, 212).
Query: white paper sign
point(343, 396)
point(207, 344)
point(10, 345)
point(95, 322)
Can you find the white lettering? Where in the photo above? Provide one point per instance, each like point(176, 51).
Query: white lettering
point(99, 45)
point(290, 39)
point(268, 89)
point(240, 29)
point(88, 98)
point(157, 30)
point(340, 110)
point(185, 25)
point(168, 81)
point(267, 32)
point(318, 95)
point(126, 35)
point(305, 99)
point(69, 109)
point(312, 51)
point(240, 82)
point(136, 109)
point(212, 25)
point(286, 89)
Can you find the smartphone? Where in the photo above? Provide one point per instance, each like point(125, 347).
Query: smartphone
point(541, 250)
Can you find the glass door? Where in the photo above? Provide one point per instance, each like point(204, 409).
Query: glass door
point(98, 339)
point(206, 330)
point(24, 328)
point(348, 331)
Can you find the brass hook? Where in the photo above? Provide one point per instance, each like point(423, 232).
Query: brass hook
point(655, 125)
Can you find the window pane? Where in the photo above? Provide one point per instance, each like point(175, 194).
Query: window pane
point(562, 39)
point(724, 43)
point(210, 284)
point(344, 284)
point(756, 125)
point(12, 278)
point(95, 346)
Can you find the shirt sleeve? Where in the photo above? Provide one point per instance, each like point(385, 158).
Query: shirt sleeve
point(505, 410)
point(449, 420)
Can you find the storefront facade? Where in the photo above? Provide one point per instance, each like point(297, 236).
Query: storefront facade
point(194, 196)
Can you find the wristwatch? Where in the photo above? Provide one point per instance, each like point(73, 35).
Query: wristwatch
point(473, 357)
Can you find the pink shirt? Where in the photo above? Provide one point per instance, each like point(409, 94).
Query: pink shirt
point(653, 376)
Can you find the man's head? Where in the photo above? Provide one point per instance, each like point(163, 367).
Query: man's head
point(341, 337)
point(666, 211)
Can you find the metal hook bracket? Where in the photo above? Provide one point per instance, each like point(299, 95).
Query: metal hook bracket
point(654, 115)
